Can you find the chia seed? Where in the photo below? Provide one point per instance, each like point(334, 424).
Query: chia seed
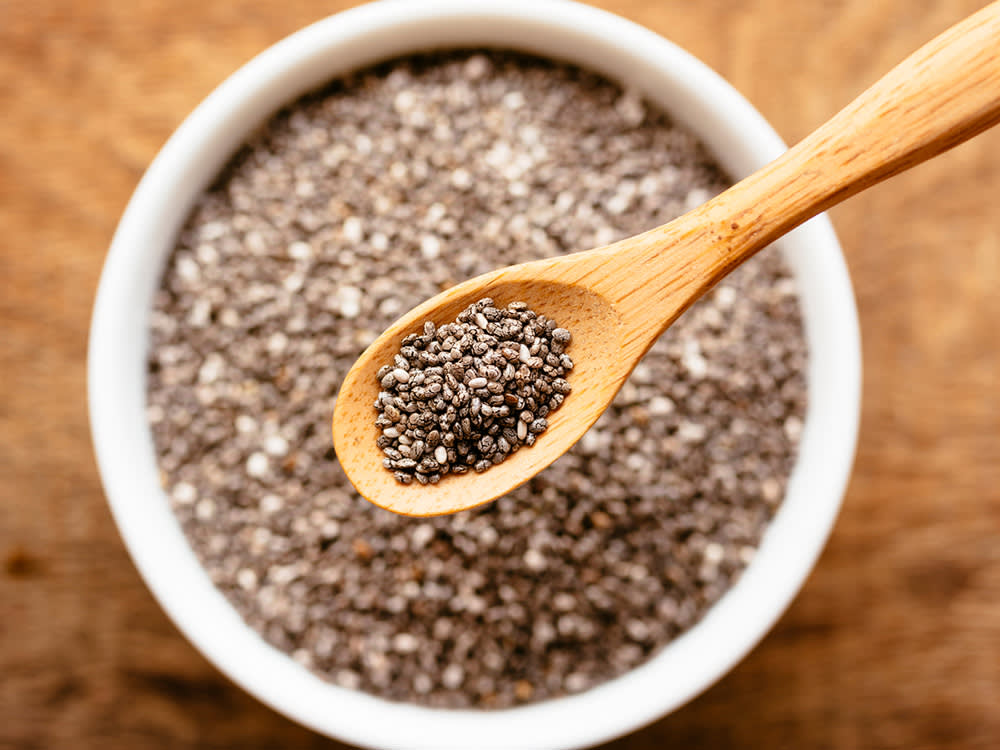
point(353, 205)
point(454, 392)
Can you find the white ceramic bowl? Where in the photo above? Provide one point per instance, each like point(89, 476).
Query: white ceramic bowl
point(695, 96)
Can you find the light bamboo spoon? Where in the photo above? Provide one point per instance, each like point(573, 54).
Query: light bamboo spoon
point(617, 300)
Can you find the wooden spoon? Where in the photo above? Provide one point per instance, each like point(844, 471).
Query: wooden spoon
point(616, 300)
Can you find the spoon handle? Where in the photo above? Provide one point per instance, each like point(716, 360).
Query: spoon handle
point(943, 94)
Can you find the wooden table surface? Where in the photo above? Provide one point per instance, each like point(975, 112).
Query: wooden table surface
point(893, 643)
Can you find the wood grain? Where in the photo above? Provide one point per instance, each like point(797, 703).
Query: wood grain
point(893, 643)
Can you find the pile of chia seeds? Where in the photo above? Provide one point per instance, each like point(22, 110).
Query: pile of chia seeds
point(469, 394)
point(352, 206)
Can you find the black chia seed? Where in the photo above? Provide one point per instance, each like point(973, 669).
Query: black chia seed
point(347, 209)
point(468, 394)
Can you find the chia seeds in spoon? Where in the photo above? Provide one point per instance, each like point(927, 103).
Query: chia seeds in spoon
point(468, 394)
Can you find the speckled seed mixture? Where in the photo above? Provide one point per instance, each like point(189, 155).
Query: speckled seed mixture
point(350, 208)
point(468, 394)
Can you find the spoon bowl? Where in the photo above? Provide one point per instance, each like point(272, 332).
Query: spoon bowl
point(597, 340)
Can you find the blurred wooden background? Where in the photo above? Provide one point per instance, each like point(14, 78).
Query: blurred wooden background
point(895, 640)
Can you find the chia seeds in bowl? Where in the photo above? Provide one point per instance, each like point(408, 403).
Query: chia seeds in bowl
point(348, 208)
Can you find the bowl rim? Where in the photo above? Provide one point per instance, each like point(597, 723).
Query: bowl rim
point(116, 376)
